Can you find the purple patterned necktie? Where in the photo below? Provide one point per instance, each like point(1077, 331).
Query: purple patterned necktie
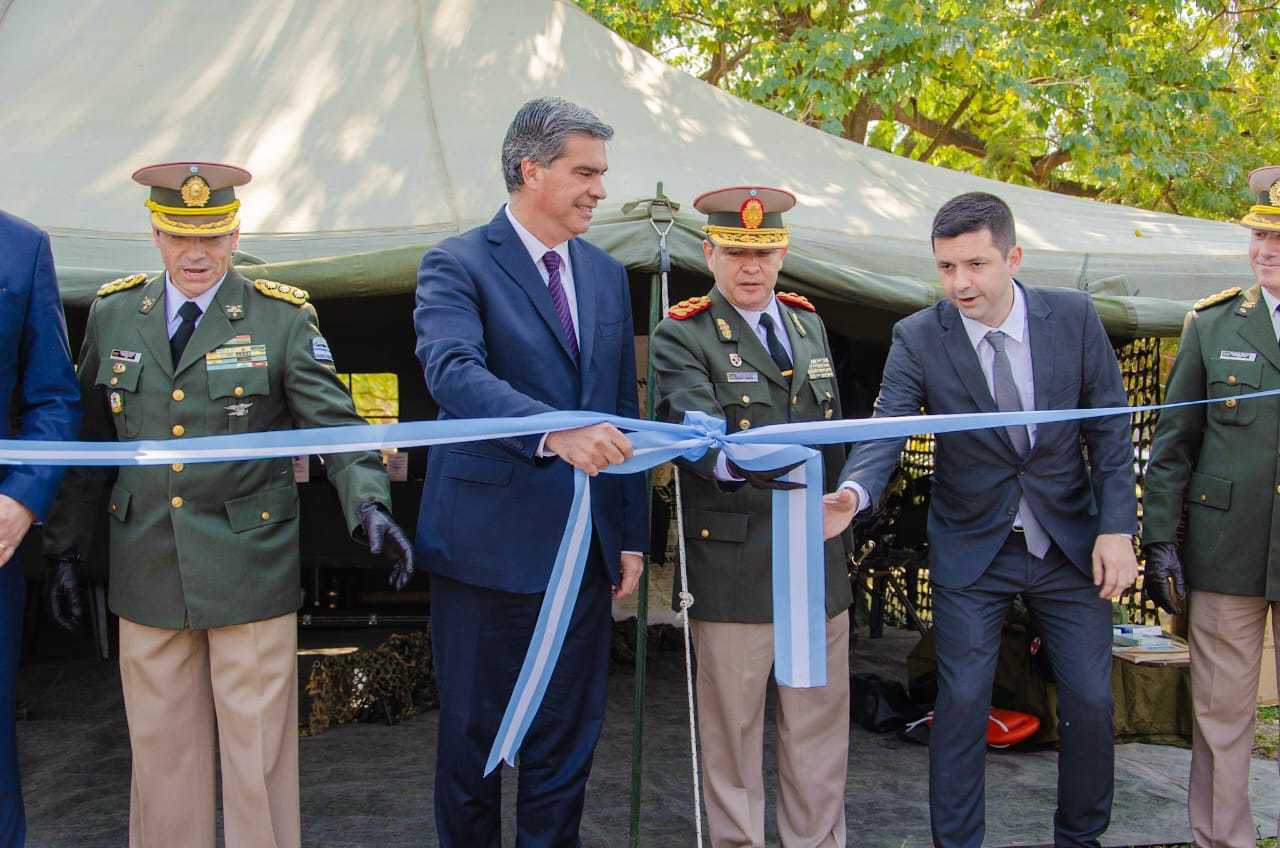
point(552, 260)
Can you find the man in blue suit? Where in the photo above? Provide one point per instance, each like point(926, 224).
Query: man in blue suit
point(38, 394)
point(516, 318)
point(1014, 510)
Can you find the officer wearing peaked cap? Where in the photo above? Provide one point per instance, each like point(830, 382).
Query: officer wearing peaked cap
point(205, 569)
point(1220, 464)
point(754, 357)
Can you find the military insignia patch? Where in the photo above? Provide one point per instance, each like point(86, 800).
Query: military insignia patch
point(1238, 355)
point(280, 291)
point(234, 311)
point(236, 356)
point(125, 355)
point(238, 410)
point(793, 299)
point(752, 213)
point(116, 401)
point(725, 332)
point(742, 376)
point(689, 308)
point(121, 284)
point(735, 360)
point(195, 191)
point(820, 368)
point(320, 350)
point(1214, 299)
point(147, 303)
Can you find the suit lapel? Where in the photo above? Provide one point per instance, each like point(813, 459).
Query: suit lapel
point(965, 360)
point(214, 328)
point(153, 326)
point(801, 349)
point(1040, 328)
point(510, 254)
point(585, 291)
point(1257, 329)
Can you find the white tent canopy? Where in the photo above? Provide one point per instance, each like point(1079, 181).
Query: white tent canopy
point(375, 125)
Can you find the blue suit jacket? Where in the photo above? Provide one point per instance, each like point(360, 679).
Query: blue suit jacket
point(39, 396)
point(978, 478)
point(491, 346)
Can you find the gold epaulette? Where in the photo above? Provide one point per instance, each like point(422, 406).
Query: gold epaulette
point(1214, 299)
point(689, 308)
point(289, 294)
point(121, 284)
point(793, 299)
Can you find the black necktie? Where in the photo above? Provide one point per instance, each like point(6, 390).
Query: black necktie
point(777, 352)
point(190, 313)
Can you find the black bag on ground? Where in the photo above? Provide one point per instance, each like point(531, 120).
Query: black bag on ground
point(880, 705)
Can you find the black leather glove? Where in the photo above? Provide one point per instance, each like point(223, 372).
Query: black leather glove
point(1163, 581)
point(62, 583)
point(385, 537)
point(765, 479)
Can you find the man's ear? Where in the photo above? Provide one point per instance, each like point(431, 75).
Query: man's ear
point(531, 173)
point(707, 249)
point(1014, 258)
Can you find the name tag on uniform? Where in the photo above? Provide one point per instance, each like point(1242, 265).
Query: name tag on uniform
point(742, 376)
point(238, 356)
point(1238, 355)
point(125, 355)
point(820, 368)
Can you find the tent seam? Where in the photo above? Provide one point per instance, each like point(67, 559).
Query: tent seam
point(431, 113)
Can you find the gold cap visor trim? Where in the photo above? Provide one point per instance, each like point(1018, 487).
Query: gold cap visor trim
point(218, 227)
point(741, 237)
point(1262, 218)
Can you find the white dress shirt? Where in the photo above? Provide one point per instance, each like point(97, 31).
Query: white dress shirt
point(752, 317)
point(173, 300)
point(536, 251)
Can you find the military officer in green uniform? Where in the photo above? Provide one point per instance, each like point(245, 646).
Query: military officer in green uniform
point(753, 358)
point(1221, 464)
point(204, 557)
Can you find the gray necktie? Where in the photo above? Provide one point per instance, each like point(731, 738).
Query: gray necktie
point(1007, 400)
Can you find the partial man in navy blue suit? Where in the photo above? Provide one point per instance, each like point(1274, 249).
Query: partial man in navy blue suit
point(39, 399)
point(515, 318)
point(1013, 510)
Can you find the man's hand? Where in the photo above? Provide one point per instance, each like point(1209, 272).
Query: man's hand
point(838, 509)
point(630, 566)
point(592, 449)
point(62, 584)
point(15, 521)
point(386, 538)
point(1115, 568)
point(1164, 581)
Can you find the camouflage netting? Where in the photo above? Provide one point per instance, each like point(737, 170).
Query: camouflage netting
point(392, 682)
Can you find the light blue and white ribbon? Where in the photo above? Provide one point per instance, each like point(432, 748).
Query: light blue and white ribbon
point(798, 566)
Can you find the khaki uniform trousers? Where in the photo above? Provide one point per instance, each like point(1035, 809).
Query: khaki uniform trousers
point(1225, 633)
point(190, 693)
point(735, 662)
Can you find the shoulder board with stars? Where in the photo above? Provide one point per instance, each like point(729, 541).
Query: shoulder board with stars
point(1215, 299)
point(121, 284)
point(689, 308)
point(793, 299)
point(280, 291)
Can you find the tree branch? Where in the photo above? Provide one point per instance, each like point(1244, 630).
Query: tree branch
point(948, 125)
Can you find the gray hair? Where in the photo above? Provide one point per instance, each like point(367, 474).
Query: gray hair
point(540, 131)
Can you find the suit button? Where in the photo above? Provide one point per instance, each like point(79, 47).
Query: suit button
point(266, 516)
point(177, 429)
point(1231, 380)
point(176, 503)
point(1230, 404)
point(239, 391)
point(177, 467)
point(179, 394)
point(744, 423)
point(746, 398)
point(704, 533)
point(115, 381)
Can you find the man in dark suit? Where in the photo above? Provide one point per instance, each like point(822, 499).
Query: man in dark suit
point(516, 318)
point(38, 393)
point(1014, 510)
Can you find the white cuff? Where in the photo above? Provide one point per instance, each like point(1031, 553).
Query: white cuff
point(864, 499)
point(542, 452)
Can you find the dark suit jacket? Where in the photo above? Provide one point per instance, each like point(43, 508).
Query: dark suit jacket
point(978, 477)
point(38, 391)
point(491, 346)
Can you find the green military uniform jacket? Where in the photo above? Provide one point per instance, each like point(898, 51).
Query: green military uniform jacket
point(205, 545)
point(706, 362)
point(1221, 460)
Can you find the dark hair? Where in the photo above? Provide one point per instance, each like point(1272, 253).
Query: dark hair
point(973, 212)
point(540, 131)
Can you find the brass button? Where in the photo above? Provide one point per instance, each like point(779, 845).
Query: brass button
point(115, 381)
point(239, 391)
point(176, 502)
point(118, 368)
point(115, 508)
point(179, 394)
point(1204, 498)
point(1231, 380)
point(266, 516)
point(828, 413)
point(1278, 490)
point(795, 399)
point(744, 423)
point(704, 533)
point(177, 429)
point(746, 398)
point(828, 394)
point(177, 467)
point(1231, 403)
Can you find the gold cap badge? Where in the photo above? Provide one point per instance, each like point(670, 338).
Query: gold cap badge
point(195, 191)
